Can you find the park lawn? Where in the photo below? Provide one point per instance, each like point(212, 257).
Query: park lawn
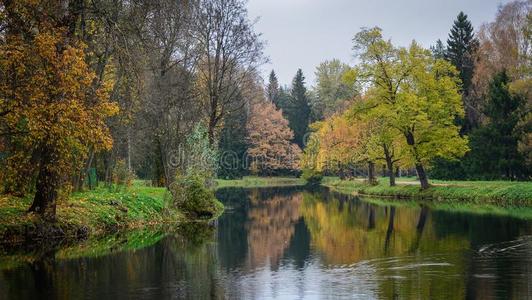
point(254, 181)
point(93, 212)
point(498, 193)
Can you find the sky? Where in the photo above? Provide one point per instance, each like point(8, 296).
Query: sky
point(303, 33)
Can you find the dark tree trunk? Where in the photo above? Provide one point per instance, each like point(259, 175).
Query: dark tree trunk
point(212, 128)
point(421, 174)
point(371, 218)
point(422, 219)
point(423, 179)
point(389, 230)
point(48, 181)
point(389, 165)
point(371, 173)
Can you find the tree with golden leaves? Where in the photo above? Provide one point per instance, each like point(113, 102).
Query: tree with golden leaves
point(51, 113)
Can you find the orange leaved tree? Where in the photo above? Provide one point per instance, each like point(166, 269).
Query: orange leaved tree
point(51, 112)
point(269, 136)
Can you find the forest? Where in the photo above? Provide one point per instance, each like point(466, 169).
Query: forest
point(106, 92)
point(165, 149)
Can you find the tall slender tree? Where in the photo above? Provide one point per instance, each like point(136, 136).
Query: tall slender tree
point(230, 51)
point(272, 89)
point(299, 109)
point(461, 48)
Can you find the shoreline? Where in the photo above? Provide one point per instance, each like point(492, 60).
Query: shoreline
point(91, 214)
point(105, 211)
point(504, 195)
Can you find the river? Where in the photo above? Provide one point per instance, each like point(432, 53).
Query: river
point(291, 243)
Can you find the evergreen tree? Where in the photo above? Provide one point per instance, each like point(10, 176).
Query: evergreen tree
point(438, 50)
point(461, 47)
point(494, 147)
point(299, 109)
point(283, 100)
point(272, 89)
point(233, 146)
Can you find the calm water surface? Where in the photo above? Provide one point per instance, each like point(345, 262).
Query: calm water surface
point(294, 244)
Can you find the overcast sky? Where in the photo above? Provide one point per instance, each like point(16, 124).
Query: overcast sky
point(303, 33)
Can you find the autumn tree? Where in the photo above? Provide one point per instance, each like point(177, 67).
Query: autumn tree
point(341, 144)
point(505, 47)
point(270, 141)
point(171, 108)
point(229, 52)
point(383, 142)
point(49, 125)
point(418, 94)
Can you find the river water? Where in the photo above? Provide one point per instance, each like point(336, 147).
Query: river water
point(290, 243)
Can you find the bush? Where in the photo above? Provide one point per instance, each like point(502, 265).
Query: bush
point(122, 176)
point(312, 176)
point(193, 197)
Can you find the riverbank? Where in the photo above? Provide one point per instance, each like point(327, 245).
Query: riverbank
point(91, 213)
point(254, 181)
point(496, 193)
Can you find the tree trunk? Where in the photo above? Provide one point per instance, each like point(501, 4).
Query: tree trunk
point(48, 181)
point(212, 128)
point(129, 149)
point(421, 174)
point(371, 218)
point(371, 173)
point(389, 230)
point(423, 179)
point(422, 219)
point(389, 165)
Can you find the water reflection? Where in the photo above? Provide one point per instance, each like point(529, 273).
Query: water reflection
point(294, 244)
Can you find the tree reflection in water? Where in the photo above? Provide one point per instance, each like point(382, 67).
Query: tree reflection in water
point(292, 243)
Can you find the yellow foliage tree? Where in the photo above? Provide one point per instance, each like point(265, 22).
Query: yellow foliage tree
point(335, 144)
point(51, 110)
point(417, 96)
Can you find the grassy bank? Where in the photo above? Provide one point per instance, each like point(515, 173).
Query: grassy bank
point(497, 193)
point(89, 213)
point(253, 181)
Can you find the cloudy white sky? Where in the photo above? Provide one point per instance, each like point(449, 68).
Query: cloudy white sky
point(303, 33)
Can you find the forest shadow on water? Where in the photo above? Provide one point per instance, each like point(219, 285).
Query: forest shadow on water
point(291, 243)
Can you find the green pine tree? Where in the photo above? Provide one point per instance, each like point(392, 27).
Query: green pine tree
point(461, 47)
point(438, 50)
point(233, 146)
point(298, 110)
point(494, 147)
point(272, 89)
point(460, 51)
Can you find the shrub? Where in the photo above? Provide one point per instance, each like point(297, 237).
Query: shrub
point(191, 195)
point(122, 175)
point(312, 176)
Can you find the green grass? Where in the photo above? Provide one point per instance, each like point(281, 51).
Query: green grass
point(253, 181)
point(495, 193)
point(100, 210)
